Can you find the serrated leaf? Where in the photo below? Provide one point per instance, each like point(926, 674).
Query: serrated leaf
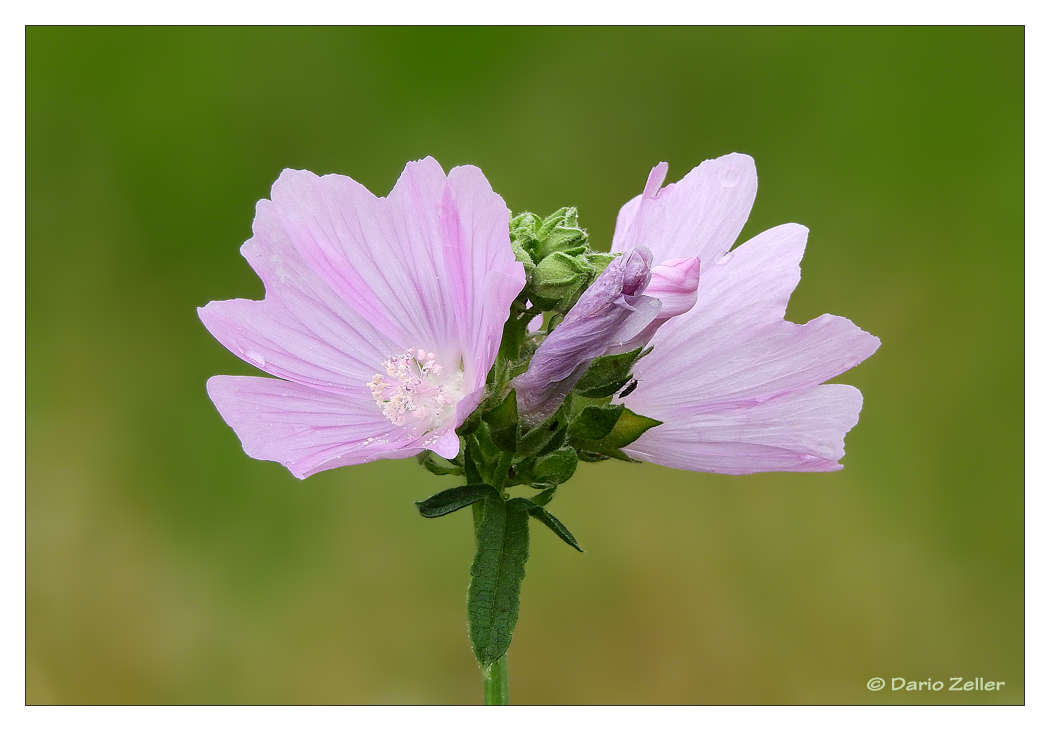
point(551, 522)
point(607, 374)
point(449, 501)
point(503, 423)
point(497, 572)
point(594, 423)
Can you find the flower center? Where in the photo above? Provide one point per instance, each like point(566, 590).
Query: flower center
point(416, 391)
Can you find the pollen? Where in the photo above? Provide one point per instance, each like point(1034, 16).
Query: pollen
point(416, 391)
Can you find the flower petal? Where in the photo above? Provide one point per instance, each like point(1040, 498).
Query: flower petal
point(430, 266)
point(802, 431)
point(734, 344)
point(308, 430)
point(701, 215)
point(303, 330)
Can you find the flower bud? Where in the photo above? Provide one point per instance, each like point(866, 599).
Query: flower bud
point(607, 318)
point(557, 278)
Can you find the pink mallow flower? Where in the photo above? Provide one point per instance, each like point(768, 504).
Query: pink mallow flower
point(736, 386)
point(381, 319)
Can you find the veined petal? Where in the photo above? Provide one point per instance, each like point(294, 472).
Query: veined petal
point(802, 431)
point(734, 344)
point(308, 430)
point(701, 215)
point(302, 330)
point(419, 261)
point(389, 309)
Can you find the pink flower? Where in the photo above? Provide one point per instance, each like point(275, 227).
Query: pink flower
point(382, 316)
point(737, 387)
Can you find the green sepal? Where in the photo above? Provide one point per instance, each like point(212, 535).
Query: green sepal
point(449, 501)
point(549, 434)
point(523, 256)
point(609, 452)
point(429, 460)
point(468, 426)
point(600, 260)
point(540, 514)
point(503, 423)
point(545, 495)
point(502, 534)
point(607, 374)
point(627, 428)
point(560, 231)
point(557, 280)
point(473, 461)
point(595, 423)
point(556, 467)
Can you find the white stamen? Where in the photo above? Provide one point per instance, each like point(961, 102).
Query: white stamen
point(414, 384)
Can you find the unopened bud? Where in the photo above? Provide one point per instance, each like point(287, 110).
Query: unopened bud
point(557, 278)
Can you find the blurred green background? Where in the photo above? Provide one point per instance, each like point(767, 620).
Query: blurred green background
point(165, 566)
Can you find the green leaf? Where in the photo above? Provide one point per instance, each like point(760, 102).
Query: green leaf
point(594, 423)
point(449, 501)
point(503, 423)
point(497, 572)
point(556, 467)
point(551, 522)
point(607, 374)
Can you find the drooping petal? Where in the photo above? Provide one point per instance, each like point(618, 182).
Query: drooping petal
point(802, 431)
point(701, 215)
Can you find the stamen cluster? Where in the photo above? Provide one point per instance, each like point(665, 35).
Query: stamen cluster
point(412, 386)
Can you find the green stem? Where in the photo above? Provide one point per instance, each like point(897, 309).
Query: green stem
point(494, 683)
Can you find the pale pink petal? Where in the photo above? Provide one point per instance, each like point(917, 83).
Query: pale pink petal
point(734, 344)
point(674, 283)
point(431, 263)
point(305, 429)
point(801, 431)
point(701, 215)
point(356, 284)
point(303, 330)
